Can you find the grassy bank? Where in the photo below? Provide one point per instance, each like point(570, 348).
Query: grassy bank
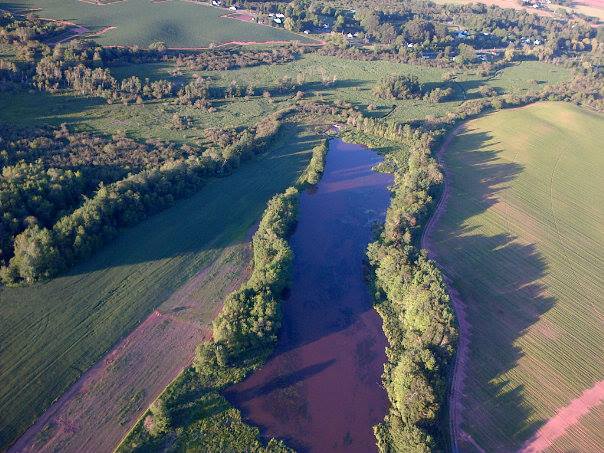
point(52, 332)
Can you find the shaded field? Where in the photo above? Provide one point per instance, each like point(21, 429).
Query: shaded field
point(52, 333)
point(177, 23)
point(522, 240)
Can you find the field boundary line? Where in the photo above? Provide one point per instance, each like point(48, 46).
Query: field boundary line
point(457, 375)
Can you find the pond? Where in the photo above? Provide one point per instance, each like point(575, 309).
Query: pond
point(321, 390)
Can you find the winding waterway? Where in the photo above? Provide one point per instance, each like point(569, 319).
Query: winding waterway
point(321, 390)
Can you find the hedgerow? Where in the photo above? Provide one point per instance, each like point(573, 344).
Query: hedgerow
point(41, 252)
point(244, 334)
point(411, 298)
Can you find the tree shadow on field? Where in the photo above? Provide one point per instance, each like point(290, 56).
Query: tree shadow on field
point(26, 108)
point(498, 279)
point(218, 215)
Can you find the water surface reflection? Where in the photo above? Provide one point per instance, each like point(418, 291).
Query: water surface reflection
point(321, 391)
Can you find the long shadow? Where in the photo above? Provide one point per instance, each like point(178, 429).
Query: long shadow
point(22, 108)
point(202, 219)
point(498, 279)
point(279, 382)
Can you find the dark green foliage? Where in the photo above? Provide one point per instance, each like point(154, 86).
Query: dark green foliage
point(160, 417)
point(398, 87)
point(120, 204)
point(315, 168)
point(250, 317)
point(36, 256)
point(32, 194)
point(411, 299)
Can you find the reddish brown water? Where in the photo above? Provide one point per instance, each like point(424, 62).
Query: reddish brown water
point(321, 391)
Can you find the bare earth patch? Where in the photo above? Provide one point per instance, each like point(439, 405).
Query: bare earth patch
point(97, 412)
point(565, 418)
point(244, 17)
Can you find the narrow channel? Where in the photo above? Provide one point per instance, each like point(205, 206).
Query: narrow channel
point(321, 390)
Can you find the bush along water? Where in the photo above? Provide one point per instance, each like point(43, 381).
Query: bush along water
point(411, 298)
point(244, 335)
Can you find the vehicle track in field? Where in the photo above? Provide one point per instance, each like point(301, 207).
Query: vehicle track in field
point(463, 344)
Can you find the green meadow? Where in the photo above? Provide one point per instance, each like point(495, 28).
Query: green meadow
point(53, 332)
point(354, 81)
point(178, 23)
point(522, 239)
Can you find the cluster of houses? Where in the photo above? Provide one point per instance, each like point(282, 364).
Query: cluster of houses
point(279, 18)
point(537, 4)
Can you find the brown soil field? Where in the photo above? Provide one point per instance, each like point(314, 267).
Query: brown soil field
point(587, 435)
point(97, 412)
point(566, 418)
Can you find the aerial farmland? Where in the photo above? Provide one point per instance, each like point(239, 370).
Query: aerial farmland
point(276, 226)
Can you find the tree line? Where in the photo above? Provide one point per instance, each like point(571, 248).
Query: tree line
point(410, 293)
point(41, 252)
point(245, 331)
point(410, 297)
point(403, 86)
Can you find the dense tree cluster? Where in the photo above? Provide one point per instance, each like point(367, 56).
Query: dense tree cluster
point(30, 27)
point(31, 195)
point(398, 87)
point(227, 59)
point(52, 75)
point(408, 87)
point(62, 148)
point(40, 252)
point(46, 172)
point(250, 317)
point(411, 298)
point(315, 167)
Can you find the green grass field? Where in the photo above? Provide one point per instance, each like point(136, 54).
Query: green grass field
point(355, 80)
point(522, 239)
point(140, 122)
point(51, 333)
point(178, 23)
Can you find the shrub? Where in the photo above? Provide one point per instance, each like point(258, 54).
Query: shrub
point(398, 87)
